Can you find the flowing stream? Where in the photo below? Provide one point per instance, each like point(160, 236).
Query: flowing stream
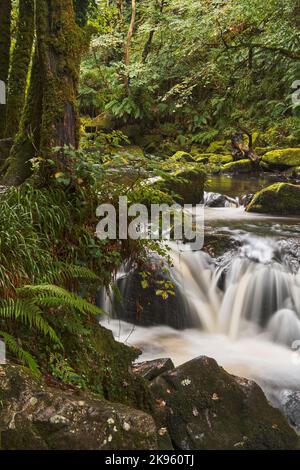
point(245, 304)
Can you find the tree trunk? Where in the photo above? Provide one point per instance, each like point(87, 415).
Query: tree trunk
point(50, 117)
point(5, 41)
point(129, 36)
point(20, 62)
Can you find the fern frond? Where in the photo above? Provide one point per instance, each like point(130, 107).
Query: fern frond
point(50, 295)
point(24, 356)
point(28, 313)
point(66, 274)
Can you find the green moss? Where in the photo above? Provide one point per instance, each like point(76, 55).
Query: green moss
point(104, 364)
point(214, 159)
point(279, 198)
point(240, 166)
point(261, 150)
point(5, 40)
point(220, 146)
point(27, 140)
point(21, 57)
point(50, 116)
point(283, 157)
point(182, 157)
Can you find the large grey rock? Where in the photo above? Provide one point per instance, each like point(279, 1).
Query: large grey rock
point(36, 416)
point(204, 407)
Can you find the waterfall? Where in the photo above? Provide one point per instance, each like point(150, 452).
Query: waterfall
point(243, 308)
point(257, 288)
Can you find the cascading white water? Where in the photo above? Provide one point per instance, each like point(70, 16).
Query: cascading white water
point(256, 287)
point(248, 304)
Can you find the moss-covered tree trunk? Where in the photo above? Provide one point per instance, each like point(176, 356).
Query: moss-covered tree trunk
point(20, 62)
point(5, 40)
point(59, 48)
point(50, 118)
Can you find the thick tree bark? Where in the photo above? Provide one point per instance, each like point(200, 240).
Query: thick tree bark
point(5, 41)
point(50, 117)
point(20, 62)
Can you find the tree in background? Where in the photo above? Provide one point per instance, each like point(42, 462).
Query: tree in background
point(5, 42)
point(19, 68)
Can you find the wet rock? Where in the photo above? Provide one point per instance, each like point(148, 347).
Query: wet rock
point(246, 199)
point(290, 404)
point(219, 245)
point(149, 370)
point(288, 253)
point(204, 407)
point(142, 306)
point(240, 167)
point(36, 416)
point(211, 199)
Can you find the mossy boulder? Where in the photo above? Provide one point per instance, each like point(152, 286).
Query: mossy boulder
point(282, 158)
point(220, 146)
point(240, 166)
point(277, 199)
point(187, 185)
point(214, 158)
point(203, 407)
point(36, 416)
point(182, 156)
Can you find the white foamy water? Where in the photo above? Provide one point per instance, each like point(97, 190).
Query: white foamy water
point(253, 356)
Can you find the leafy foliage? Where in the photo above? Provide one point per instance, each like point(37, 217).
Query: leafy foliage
point(205, 66)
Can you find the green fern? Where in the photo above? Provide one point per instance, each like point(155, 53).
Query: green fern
point(24, 356)
point(68, 275)
point(52, 296)
point(29, 314)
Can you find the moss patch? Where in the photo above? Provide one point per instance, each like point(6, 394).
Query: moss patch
point(279, 198)
point(282, 158)
point(214, 158)
point(240, 166)
point(220, 146)
point(182, 157)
